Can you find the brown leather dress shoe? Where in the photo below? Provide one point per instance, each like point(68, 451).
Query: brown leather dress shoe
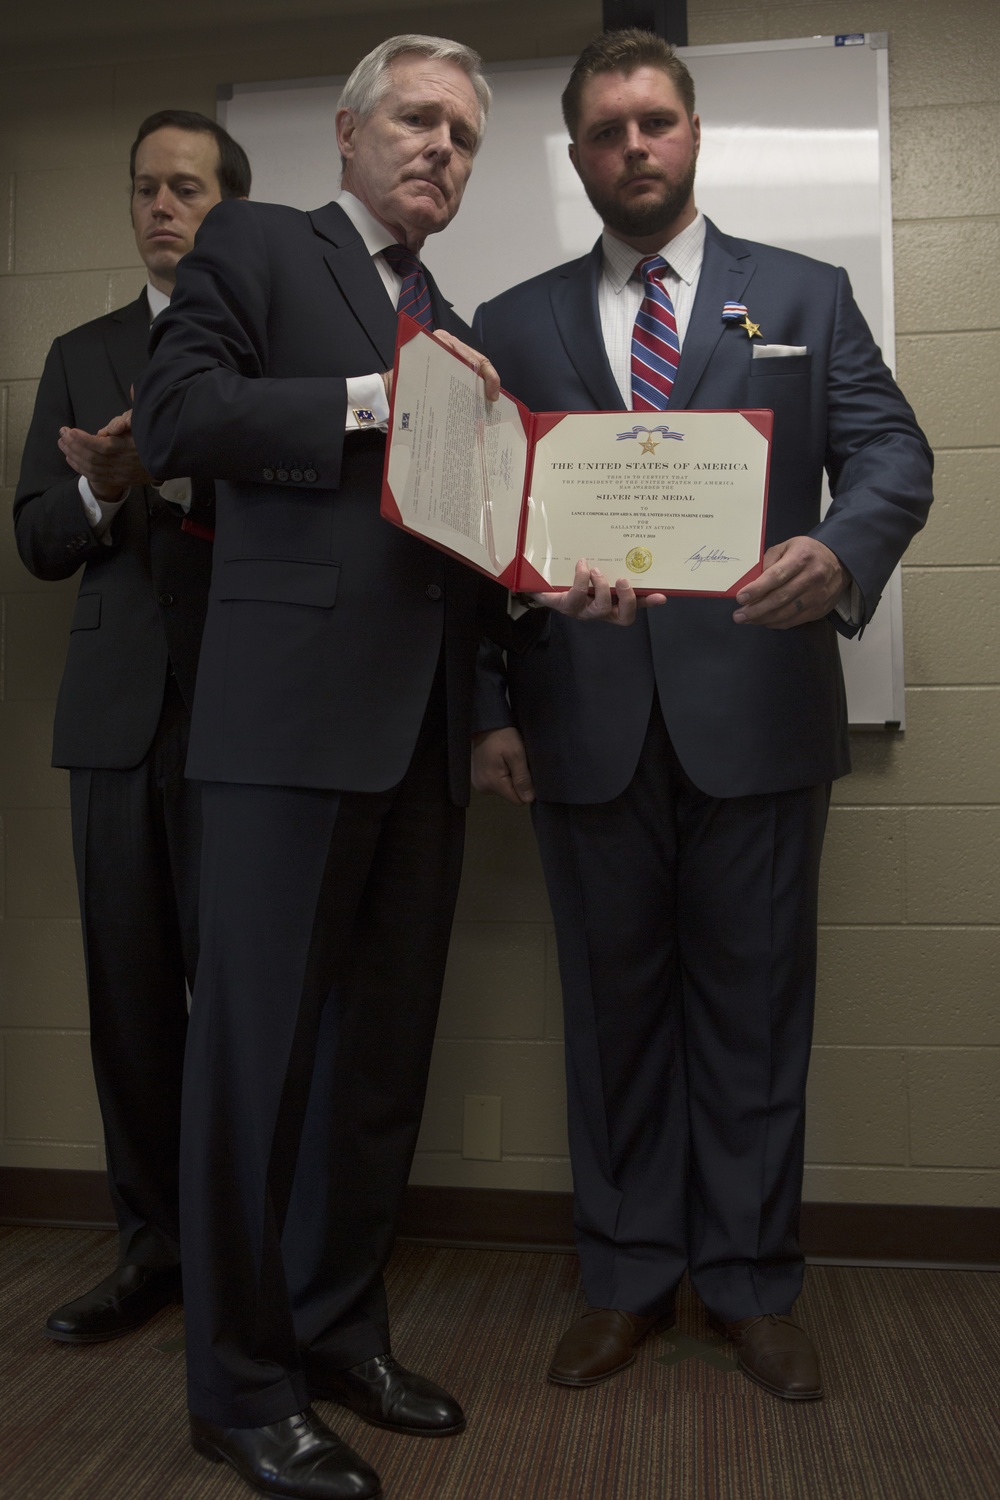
point(601, 1343)
point(776, 1354)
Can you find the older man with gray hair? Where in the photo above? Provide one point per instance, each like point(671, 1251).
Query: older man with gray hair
point(331, 730)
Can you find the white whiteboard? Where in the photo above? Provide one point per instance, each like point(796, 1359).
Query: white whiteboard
point(795, 152)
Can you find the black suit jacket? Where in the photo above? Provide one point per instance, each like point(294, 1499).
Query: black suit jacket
point(749, 710)
point(325, 622)
point(142, 599)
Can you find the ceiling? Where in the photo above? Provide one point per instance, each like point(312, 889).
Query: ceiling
point(41, 20)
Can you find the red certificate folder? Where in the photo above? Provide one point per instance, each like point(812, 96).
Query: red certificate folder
point(674, 501)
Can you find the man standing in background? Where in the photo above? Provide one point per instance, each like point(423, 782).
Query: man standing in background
point(681, 771)
point(122, 718)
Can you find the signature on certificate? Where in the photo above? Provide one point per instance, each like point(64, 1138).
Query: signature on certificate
point(714, 554)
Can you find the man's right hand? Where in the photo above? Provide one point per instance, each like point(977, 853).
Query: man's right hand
point(500, 765)
point(107, 459)
point(479, 362)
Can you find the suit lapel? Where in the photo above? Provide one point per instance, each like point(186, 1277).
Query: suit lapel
point(574, 307)
point(726, 270)
point(126, 338)
point(347, 257)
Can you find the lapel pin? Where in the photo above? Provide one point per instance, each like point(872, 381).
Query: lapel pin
point(735, 312)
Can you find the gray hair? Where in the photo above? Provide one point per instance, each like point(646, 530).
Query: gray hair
point(370, 81)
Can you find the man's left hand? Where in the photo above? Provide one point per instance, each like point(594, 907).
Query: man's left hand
point(499, 765)
point(578, 603)
point(802, 581)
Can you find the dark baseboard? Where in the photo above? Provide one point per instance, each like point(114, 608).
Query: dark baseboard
point(502, 1217)
point(921, 1233)
point(866, 1233)
point(37, 1195)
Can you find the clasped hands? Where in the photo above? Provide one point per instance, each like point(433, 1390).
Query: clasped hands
point(107, 458)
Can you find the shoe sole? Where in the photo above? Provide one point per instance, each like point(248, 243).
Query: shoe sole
point(584, 1384)
point(97, 1338)
point(428, 1432)
point(774, 1390)
point(217, 1456)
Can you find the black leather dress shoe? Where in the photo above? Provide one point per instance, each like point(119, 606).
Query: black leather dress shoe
point(125, 1300)
point(298, 1456)
point(381, 1392)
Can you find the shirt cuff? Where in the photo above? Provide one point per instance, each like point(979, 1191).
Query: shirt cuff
point(176, 492)
point(99, 513)
point(519, 604)
point(367, 393)
point(848, 606)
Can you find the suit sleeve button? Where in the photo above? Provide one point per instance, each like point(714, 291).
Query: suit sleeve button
point(267, 475)
point(166, 599)
point(281, 475)
point(433, 591)
point(310, 476)
point(296, 476)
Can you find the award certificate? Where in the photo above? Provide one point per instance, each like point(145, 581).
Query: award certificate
point(675, 501)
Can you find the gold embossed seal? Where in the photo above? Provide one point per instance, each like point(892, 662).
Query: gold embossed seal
point(639, 560)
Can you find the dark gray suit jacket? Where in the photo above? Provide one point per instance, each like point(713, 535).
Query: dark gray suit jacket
point(325, 622)
point(142, 599)
point(749, 710)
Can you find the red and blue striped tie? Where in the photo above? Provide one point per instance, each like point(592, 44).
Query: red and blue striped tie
point(414, 296)
point(656, 350)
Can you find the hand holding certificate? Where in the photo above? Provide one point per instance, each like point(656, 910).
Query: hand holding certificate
point(675, 506)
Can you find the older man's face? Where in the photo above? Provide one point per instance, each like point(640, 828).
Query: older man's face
point(410, 159)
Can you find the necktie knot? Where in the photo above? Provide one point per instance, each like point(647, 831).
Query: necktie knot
point(414, 295)
point(402, 261)
point(651, 266)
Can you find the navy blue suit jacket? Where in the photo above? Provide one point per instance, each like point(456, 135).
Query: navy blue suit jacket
point(749, 710)
point(325, 622)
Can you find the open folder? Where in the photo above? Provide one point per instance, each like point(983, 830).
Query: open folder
point(675, 501)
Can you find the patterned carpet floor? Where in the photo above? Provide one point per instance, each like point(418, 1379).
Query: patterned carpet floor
point(911, 1364)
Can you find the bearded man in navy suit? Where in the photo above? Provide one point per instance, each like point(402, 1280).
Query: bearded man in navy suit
point(680, 772)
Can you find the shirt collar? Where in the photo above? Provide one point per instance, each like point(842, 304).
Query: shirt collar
point(157, 300)
point(684, 253)
point(374, 234)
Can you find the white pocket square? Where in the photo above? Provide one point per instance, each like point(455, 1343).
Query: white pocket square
point(777, 351)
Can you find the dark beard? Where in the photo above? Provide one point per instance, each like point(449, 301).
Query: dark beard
point(649, 217)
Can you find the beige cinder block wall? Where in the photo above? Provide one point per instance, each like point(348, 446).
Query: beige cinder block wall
point(907, 1064)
